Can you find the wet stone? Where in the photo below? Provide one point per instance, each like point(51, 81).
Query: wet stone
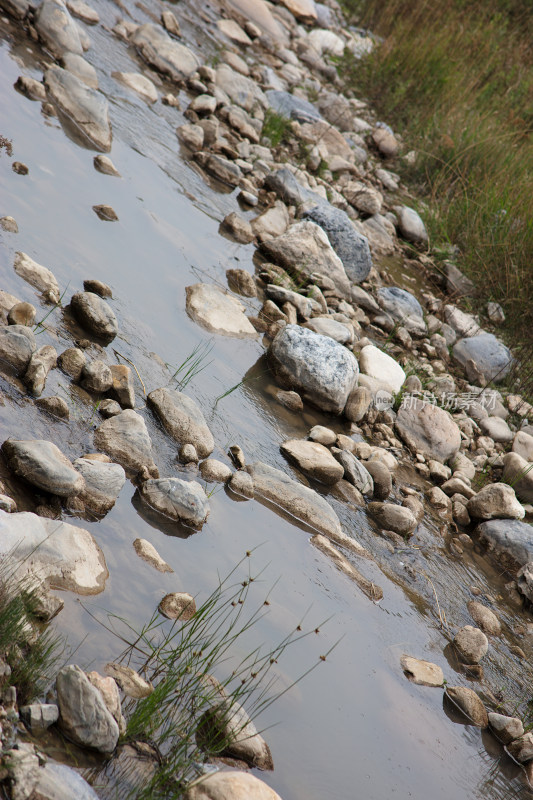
point(105, 213)
point(423, 673)
point(471, 643)
point(214, 471)
point(8, 224)
point(508, 541)
point(96, 377)
point(178, 605)
point(484, 618)
point(103, 484)
point(392, 517)
point(125, 438)
point(104, 165)
point(72, 361)
point(217, 311)
point(94, 313)
point(85, 107)
point(57, 29)
point(36, 275)
point(182, 419)
point(469, 703)
point(81, 68)
point(42, 464)
point(148, 553)
point(17, 345)
point(241, 483)
point(180, 500)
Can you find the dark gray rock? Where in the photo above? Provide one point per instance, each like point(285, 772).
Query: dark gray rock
point(164, 53)
point(287, 105)
point(283, 182)
point(86, 108)
point(491, 357)
point(351, 247)
point(320, 369)
point(508, 541)
point(177, 500)
point(42, 464)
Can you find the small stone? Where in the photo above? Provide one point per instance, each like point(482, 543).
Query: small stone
point(242, 484)
point(37, 276)
point(129, 681)
point(106, 213)
point(521, 749)
point(19, 168)
point(424, 673)
point(97, 287)
point(358, 404)
point(188, 454)
point(239, 228)
point(97, 377)
point(122, 385)
point(72, 361)
point(7, 504)
point(104, 165)
point(95, 314)
point(9, 224)
point(241, 282)
point(467, 701)
point(176, 499)
point(192, 136)
point(22, 314)
point(170, 23)
point(39, 716)
point(237, 456)
point(290, 400)
point(109, 408)
point(178, 605)
point(392, 517)
point(484, 617)
point(214, 471)
point(471, 643)
point(148, 553)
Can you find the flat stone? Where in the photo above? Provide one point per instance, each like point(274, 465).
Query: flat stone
point(214, 471)
point(84, 717)
point(83, 11)
point(231, 786)
point(60, 555)
point(259, 13)
point(180, 500)
point(509, 542)
point(81, 68)
point(305, 249)
point(85, 107)
point(505, 728)
point(423, 673)
point(42, 464)
point(491, 357)
point(313, 459)
point(218, 311)
point(326, 326)
point(495, 501)
point(164, 53)
point(178, 605)
point(125, 438)
point(321, 370)
point(36, 275)
point(103, 484)
point(148, 553)
point(350, 246)
point(469, 703)
point(57, 29)
point(17, 345)
point(518, 473)
point(392, 517)
point(234, 32)
point(427, 429)
point(95, 314)
point(138, 83)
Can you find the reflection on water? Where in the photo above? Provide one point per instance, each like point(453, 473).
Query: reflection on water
point(355, 726)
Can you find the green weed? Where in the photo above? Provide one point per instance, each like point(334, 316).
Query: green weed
point(276, 128)
point(191, 366)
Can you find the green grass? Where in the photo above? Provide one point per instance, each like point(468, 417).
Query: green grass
point(276, 128)
point(31, 651)
point(456, 80)
point(196, 672)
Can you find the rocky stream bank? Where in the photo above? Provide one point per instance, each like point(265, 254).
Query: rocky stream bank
point(348, 395)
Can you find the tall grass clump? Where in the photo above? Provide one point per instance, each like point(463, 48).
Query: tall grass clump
point(31, 652)
point(200, 679)
point(456, 80)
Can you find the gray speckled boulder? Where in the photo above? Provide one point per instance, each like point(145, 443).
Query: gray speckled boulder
point(508, 541)
point(492, 358)
point(399, 303)
point(351, 247)
point(320, 369)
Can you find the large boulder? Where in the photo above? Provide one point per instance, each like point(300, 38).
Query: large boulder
point(491, 357)
point(320, 369)
point(427, 429)
point(495, 501)
point(176, 499)
point(292, 107)
point(182, 419)
point(125, 438)
point(518, 473)
point(61, 555)
point(508, 541)
point(57, 29)
point(83, 715)
point(164, 53)
point(218, 311)
point(86, 108)
point(351, 246)
point(42, 464)
point(304, 249)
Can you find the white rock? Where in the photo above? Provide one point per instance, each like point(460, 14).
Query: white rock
point(140, 84)
point(217, 311)
point(379, 365)
point(36, 275)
